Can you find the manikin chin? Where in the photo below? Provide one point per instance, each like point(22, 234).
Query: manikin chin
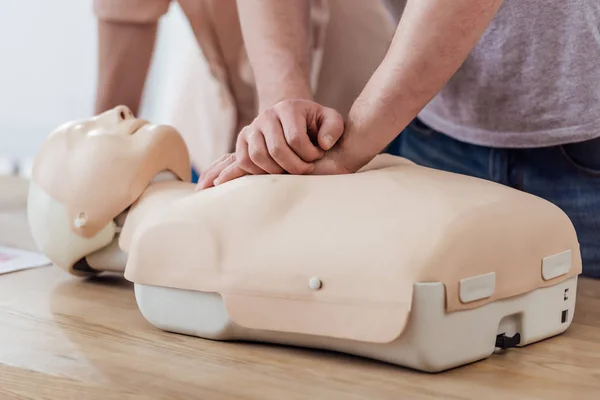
point(397, 262)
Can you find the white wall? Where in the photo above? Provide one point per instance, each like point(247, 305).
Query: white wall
point(48, 69)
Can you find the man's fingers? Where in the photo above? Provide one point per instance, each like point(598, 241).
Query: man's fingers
point(223, 158)
point(294, 126)
point(241, 153)
point(213, 171)
point(259, 154)
point(230, 173)
point(279, 149)
point(331, 128)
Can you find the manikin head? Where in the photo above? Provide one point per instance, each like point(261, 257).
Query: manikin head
point(88, 172)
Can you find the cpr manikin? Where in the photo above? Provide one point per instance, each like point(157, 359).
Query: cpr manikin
point(400, 263)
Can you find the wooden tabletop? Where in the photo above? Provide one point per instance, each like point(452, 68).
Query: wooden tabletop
point(68, 338)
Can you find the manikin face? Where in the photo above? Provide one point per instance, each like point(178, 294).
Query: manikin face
point(98, 167)
point(116, 127)
point(118, 121)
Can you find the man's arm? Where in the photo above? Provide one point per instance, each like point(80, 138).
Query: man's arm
point(433, 39)
point(124, 55)
point(280, 139)
point(276, 34)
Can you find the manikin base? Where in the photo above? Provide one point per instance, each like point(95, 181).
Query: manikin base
point(432, 341)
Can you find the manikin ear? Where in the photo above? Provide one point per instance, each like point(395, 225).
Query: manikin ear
point(50, 227)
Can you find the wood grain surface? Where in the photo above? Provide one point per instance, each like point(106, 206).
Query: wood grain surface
point(68, 338)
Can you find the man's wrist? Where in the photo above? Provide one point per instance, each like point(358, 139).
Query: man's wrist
point(358, 145)
point(349, 154)
point(278, 92)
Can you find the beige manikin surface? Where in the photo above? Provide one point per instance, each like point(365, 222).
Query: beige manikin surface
point(367, 237)
point(99, 166)
point(336, 256)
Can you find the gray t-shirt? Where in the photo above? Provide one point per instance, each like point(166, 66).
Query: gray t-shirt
point(533, 79)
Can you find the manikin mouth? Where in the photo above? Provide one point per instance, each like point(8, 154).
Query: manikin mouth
point(136, 125)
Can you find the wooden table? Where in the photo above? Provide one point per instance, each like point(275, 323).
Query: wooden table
point(67, 338)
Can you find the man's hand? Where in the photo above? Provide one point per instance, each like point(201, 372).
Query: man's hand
point(286, 138)
point(222, 170)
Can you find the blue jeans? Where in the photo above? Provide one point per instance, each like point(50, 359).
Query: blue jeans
point(195, 175)
point(567, 175)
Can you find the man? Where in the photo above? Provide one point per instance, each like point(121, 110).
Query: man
point(219, 98)
point(502, 90)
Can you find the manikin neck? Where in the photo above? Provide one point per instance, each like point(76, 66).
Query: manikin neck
point(156, 196)
point(164, 189)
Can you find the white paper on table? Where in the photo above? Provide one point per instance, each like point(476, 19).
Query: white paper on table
point(12, 260)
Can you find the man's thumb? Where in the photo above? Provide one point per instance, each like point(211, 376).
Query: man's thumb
point(331, 128)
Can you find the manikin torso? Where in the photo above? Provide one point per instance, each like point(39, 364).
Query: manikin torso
point(117, 178)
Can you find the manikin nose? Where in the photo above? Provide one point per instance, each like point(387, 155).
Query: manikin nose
point(123, 113)
point(116, 115)
point(119, 120)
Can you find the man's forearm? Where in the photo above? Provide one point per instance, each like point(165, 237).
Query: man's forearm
point(433, 39)
point(124, 55)
point(276, 33)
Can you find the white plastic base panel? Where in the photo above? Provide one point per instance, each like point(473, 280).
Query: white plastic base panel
point(432, 341)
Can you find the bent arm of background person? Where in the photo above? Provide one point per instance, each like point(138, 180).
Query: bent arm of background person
point(126, 38)
point(432, 40)
point(276, 34)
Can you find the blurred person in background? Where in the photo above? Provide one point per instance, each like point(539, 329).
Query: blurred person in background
point(347, 39)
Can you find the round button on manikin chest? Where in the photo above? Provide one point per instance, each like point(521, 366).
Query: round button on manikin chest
point(315, 283)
